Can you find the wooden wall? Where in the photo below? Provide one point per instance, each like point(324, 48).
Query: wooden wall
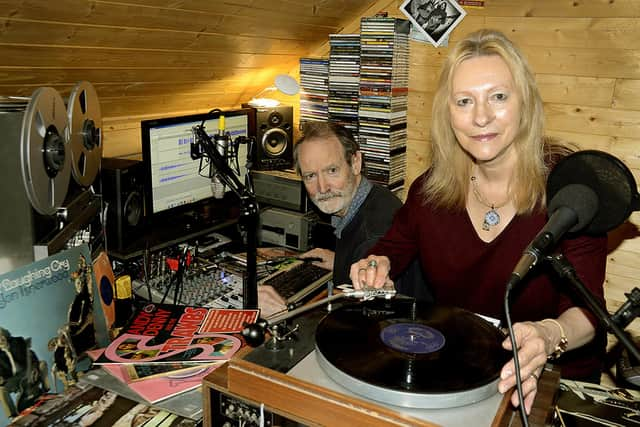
point(151, 58)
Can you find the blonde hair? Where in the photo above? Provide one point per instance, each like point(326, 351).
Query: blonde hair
point(447, 183)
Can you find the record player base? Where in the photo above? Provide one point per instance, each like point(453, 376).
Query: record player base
point(305, 403)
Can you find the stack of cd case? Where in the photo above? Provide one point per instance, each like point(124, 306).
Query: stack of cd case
point(382, 102)
point(314, 93)
point(344, 73)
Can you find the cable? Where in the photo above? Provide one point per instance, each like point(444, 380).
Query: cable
point(145, 268)
point(262, 415)
point(215, 110)
point(516, 362)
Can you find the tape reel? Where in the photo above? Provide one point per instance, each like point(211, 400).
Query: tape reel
point(44, 153)
point(84, 133)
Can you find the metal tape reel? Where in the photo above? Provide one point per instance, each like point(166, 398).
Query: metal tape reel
point(46, 163)
point(85, 133)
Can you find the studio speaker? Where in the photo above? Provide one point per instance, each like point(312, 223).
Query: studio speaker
point(123, 194)
point(274, 138)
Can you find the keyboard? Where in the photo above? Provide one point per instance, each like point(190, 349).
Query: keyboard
point(297, 281)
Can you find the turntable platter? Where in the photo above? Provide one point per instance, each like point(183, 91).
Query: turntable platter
point(411, 355)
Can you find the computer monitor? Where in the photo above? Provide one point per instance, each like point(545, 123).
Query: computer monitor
point(174, 182)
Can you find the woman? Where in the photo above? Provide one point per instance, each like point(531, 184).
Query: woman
point(469, 217)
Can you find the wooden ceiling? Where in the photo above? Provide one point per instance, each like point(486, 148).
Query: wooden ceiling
point(156, 57)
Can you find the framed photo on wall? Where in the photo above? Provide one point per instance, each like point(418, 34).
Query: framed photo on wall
point(433, 18)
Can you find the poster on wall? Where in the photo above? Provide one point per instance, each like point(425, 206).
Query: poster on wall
point(434, 19)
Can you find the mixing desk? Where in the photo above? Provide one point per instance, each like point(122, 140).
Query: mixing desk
point(205, 287)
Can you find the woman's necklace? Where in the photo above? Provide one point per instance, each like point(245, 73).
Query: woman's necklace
point(491, 217)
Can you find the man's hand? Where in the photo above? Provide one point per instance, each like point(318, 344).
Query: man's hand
point(325, 255)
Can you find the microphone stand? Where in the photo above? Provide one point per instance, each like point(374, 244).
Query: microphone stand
point(616, 323)
point(205, 147)
point(176, 280)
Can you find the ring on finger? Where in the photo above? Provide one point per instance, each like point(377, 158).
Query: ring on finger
point(534, 375)
point(373, 263)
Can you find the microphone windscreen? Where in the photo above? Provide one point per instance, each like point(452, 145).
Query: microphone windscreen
point(609, 178)
point(581, 199)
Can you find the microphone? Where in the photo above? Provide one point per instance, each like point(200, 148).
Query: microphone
point(570, 210)
point(221, 144)
point(579, 188)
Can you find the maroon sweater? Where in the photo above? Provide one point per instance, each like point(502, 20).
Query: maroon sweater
point(464, 271)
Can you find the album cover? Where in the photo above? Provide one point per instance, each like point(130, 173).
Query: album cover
point(169, 384)
point(163, 333)
point(86, 405)
point(582, 404)
point(141, 372)
point(49, 319)
point(435, 19)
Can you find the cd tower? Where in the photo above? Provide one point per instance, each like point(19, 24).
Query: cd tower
point(382, 109)
point(314, 81)
point(364, 86)
point(344, 75)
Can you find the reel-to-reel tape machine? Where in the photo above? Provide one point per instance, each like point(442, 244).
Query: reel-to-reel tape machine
point(46, 142)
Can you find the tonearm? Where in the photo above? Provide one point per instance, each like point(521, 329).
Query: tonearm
point(254, 333)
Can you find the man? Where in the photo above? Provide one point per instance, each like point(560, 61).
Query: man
point(330, 163)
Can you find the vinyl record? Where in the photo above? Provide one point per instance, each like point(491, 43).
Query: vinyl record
point(409, 354)
point(105, 281)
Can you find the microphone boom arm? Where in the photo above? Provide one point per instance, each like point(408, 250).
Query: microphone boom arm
point(564, 268)
point(205, 147)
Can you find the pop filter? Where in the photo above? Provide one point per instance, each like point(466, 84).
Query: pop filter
point(608, 177)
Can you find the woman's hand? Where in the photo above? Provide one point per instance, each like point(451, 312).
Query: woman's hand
point(325, 255)
point(536, 341)
point(370, 272)
point(532, 355)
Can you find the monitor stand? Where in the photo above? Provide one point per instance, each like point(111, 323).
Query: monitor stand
point(172, 229)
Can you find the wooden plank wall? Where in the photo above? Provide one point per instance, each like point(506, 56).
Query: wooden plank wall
point(152, 58)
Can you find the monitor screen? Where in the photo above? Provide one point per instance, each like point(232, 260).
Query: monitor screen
point(174, 181)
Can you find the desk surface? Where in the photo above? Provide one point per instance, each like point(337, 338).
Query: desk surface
point(160, 234)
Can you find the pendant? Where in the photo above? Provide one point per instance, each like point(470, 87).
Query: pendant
point(491, 218)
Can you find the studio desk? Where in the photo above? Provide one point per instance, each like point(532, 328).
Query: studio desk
point(290, 388)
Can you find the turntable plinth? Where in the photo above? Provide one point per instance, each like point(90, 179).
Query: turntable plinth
point(299, 400)
point(306, 403)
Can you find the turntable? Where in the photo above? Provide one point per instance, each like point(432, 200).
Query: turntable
point(379, 362)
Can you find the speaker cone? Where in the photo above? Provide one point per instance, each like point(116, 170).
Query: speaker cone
point(274, 142)
point(133, 209)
